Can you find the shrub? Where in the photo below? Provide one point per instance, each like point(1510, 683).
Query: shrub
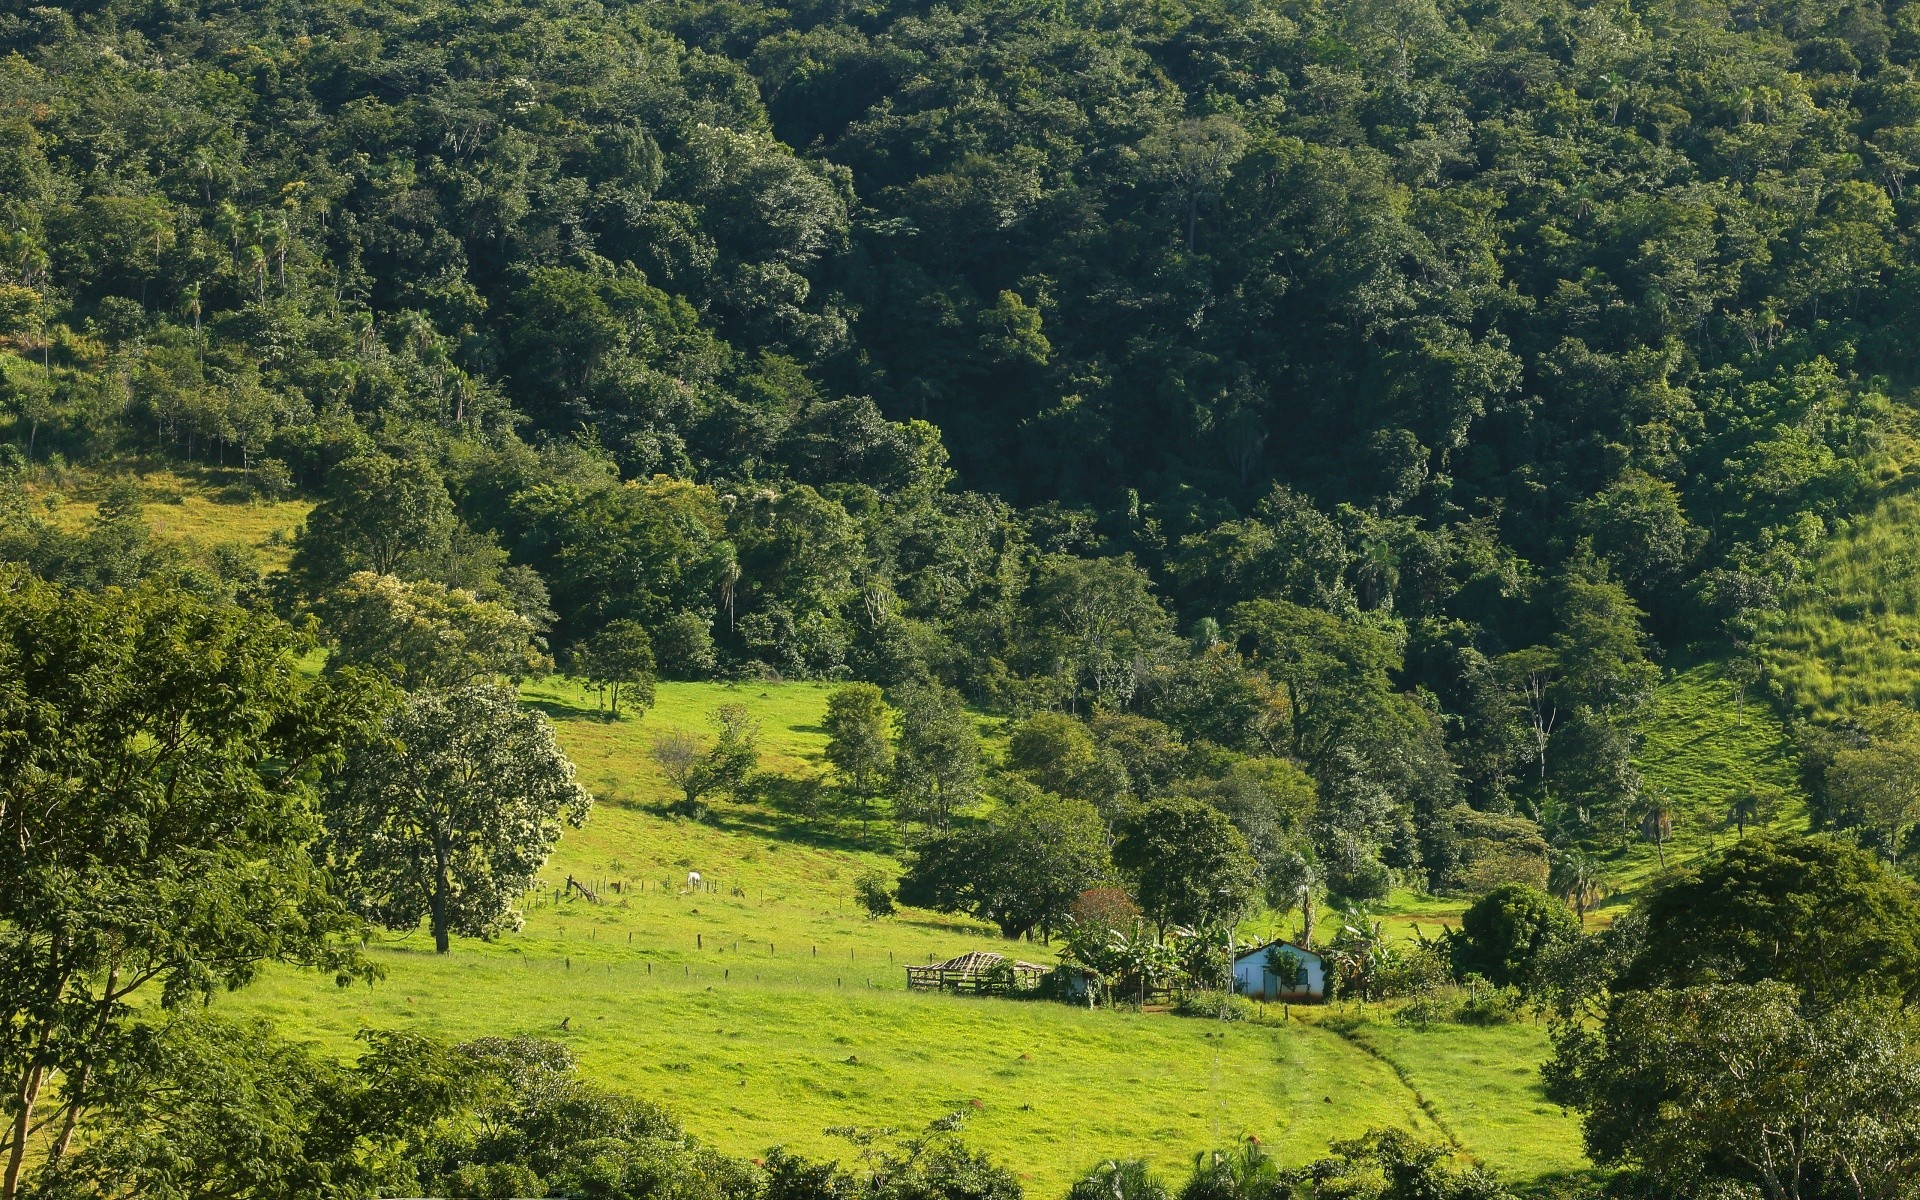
point(875, 894)
point(1505, 932)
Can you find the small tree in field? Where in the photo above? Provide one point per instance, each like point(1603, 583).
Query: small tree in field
point(856, 727)
point(452, 816)
point(875, 894)
point(700, 771)
point(620, 659)
point(682, 760)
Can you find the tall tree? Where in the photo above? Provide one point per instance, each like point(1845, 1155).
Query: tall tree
point(1189, 865)
point(936, 756)
point(452, 814)
point(1022, 868)
point(857, 743)
point(427, 635)
point(158, 761)
point(619, 656)
point(390, 516)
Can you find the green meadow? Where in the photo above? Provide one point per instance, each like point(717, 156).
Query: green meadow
point(1850, 633)
point(765, 1009)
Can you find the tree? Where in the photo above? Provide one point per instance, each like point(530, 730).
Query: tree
point(203, 1106)
point(736, 748)
point(1505, 933)
point(1656, 823)
point(426, 635)
point(1054, 750)
point(1877, 784)
point(1330, 669)
point(1741, 1089)
point(1808, 911)
point(936, 756)
point(875, 893)
point(1578, 880)
point(1601, 645)
point(1189, 865)
point(1023, 868)
point(1748, 807)
point(1097, 626)
point(856, 727)
point(682, 759)
point(158, 761)
point(390, 516)
point(452, 814)
point(620, 655)
point(699, 770)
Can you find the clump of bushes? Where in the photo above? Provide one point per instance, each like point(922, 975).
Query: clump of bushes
point(874, 892)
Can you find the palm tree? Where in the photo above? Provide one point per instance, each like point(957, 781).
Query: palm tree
point(1744, 810)
point(1120, 1179)
point(1578, 880)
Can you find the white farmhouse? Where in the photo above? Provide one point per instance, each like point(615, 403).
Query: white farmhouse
point(1254, 973)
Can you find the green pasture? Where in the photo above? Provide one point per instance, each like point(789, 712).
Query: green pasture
point(1704, 742)
point(1849, 634)
point(202, 507)
point(765, 1007)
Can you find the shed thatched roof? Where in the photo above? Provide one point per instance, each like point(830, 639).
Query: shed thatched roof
point(976, 961)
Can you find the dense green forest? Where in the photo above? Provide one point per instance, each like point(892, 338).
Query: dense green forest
point(1316, 426)
point(1387, 387)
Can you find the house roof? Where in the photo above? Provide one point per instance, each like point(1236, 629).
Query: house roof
point(1262, 949)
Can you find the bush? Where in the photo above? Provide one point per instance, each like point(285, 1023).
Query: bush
point(875, 894)
point(683, 647)
point(1506, 931)
point(1490, 1006)
point(1217, 1006)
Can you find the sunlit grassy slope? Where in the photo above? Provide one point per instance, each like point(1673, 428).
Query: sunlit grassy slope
point(769, 1009)
point(1850, 634)
point(767, 1014)
point(1704, 743)
point(196, 506)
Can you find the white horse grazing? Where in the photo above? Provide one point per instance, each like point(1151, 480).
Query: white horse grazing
point(693, 881)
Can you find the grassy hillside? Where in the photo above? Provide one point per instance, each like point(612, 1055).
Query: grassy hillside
point(203, 507)
point(768, 1014)
point(771, 1009)
point(1850, 634)
point(1704, 742)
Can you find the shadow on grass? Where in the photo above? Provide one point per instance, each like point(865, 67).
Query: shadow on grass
point(1563, 1185)
point(827, 831)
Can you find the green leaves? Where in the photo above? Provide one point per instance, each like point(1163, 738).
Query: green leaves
point(451, 815)
point(157, 800)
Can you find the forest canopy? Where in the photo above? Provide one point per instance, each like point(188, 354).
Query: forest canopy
point(1384, 387)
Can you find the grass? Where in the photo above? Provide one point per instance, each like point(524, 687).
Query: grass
point(198, 506)
point(1482, 1086)
point(1850, 634)
point(1704, 743)
point(770, 1009)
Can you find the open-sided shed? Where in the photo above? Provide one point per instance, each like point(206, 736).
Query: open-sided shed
point(976, 971)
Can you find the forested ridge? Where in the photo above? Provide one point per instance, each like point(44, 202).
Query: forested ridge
point(1526, 343)
point(1315, 427)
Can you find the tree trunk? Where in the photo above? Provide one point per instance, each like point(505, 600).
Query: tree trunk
point(442, 890)
point(22, 1123)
